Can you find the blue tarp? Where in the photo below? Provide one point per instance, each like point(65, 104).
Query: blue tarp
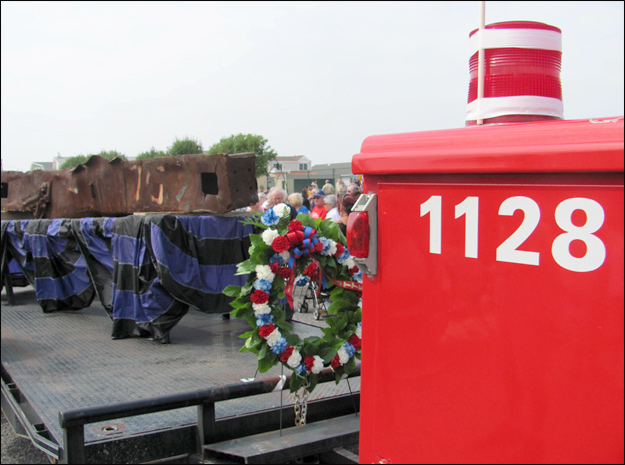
point(146, 270)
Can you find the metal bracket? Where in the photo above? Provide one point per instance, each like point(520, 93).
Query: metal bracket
point(369, 203)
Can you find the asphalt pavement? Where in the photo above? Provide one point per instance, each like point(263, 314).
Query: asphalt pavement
point(16, 449)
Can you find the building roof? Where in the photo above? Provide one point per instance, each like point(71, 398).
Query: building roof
point(42, 165)
point(291, 158)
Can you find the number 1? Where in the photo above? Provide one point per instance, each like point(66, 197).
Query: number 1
point(433, 207)
point(469, 207)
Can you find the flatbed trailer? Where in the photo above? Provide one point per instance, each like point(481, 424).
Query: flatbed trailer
point(82, 397)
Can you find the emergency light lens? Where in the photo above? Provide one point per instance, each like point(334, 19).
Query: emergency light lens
point(358, 234)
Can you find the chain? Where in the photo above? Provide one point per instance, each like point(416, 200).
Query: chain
point(301, 405)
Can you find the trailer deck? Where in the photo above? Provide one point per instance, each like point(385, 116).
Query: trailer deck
point(67, 360)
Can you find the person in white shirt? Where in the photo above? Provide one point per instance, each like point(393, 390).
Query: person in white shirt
point(330, 203)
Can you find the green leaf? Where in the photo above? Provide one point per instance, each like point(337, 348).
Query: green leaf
point(312, 382)
point(262, 352)
point(232, 291)
point(327, 354)
point(292, 339)
point(296, 382)
point(245, 267)
point(267, 363)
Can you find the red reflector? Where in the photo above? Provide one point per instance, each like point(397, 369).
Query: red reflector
point(358, 234)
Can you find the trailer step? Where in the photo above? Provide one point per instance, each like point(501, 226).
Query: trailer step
point(294, 442)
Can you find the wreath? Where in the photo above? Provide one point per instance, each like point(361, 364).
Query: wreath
point(292, 253)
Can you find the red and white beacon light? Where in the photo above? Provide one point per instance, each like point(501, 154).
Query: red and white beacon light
point(522, 62)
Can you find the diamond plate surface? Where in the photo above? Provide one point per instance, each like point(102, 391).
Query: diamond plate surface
point(67, 360)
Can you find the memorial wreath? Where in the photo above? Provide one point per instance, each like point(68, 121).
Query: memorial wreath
point(292, 253)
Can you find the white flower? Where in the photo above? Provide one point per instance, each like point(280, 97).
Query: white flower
point(269, 235)
point(317, 365)
point(359, 331)
point(285, 256)
point(329, 246)
point(264, 272)
point(349, 263)
point(295, 359)
point(280, 208)
point(273, 337)
point(261, 309)
point(343, 356)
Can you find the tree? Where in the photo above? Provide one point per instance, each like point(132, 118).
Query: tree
point(152, 153)
point(76, 160)
point(185, 146)
point(240, 143)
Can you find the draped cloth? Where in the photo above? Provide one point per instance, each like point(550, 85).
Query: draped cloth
point(147, 271)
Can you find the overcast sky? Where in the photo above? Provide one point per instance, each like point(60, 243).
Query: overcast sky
point(313, 78)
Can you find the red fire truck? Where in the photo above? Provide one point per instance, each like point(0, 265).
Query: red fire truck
point(493, 262)
point(493, 294)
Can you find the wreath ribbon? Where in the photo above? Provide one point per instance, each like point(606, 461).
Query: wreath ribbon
point(347, 284)
point(306, 239)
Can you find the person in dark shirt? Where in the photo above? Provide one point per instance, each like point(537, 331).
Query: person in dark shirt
point(345, 208)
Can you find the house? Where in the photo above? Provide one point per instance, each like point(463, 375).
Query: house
point(297, 172)
point(55, 164)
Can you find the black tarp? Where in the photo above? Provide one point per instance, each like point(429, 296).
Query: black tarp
point(146, 270)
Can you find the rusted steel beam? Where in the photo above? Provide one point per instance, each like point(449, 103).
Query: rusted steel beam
point(179, 184)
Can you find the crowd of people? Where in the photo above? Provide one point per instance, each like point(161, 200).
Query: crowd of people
point(329, 201)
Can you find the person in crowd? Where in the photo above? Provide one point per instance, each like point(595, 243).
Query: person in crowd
point(340, 187)
point(279, 196)
point(305, 201)
point(314, 184)
point(268, 203)
point(258, 206)
point(345, 208)
point(319, 210)
point(328, 188)
point(330, 203)
point(354, 190)
point(296, 201)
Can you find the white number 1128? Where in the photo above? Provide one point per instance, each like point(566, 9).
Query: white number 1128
point(508, 250)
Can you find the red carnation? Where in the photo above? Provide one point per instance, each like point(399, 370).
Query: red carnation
point(284, 272)
point(311, 270)
point(339, 249)
point(266, 330)
point(355, 341)
point(259, 297)
point(318, 246)
point(280, 244)
point(309, 362)
point(284, 356)
point(295, 226)
point(275, 266)
point(353, 270)
point(335, 362)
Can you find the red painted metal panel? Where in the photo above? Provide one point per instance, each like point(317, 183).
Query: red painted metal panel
point(475, 351)
point(558, 146)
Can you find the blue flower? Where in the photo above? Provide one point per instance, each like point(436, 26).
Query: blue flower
point(327, 245)
point(269, 217)
point(350, 349)
point(262, 285)
point(301, 280)
point(264, 319)
point(300, 369)
point(280, 346)
point(277, 258)
point(344, 256)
